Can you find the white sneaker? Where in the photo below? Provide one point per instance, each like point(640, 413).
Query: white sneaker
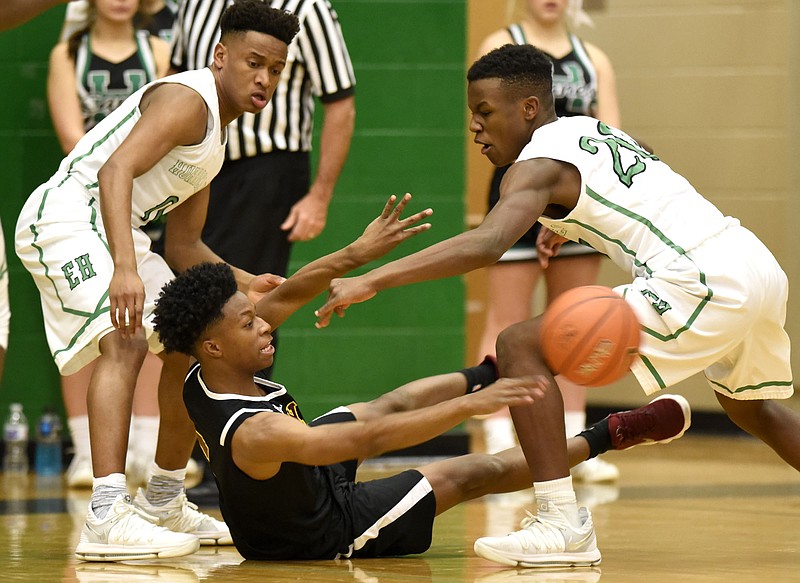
point(79, 472)
point(546, 540)
point(128, 533)
point(180, 515)
point(595, 470)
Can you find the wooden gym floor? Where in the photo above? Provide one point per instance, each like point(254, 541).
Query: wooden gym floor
point(702, 509)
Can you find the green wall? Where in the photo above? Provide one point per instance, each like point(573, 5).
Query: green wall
point(409, 61)
point(30, 154)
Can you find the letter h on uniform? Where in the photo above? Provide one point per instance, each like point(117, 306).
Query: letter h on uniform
point(85, 270)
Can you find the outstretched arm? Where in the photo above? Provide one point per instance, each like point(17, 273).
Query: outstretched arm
point(428, 391)
point(266, 440)
point(527, 189)
point(15, 12)
point(382, 235)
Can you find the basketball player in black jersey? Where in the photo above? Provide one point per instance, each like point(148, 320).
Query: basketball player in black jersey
point(287, 488)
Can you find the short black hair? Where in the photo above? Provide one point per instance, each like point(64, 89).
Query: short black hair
point(190, 303)
point(257, 15)
point(523, 67)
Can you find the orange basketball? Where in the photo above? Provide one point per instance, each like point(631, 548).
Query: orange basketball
point(590, 335)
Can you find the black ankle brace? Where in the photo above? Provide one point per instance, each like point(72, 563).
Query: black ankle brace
point(482, 375)
point(597, 437)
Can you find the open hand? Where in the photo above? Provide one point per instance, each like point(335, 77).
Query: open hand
point(388, 230)
point(382, 235)
point(509, 392)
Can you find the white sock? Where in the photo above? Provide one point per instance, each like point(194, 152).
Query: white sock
point(575, 422)
point(559, 493)
point(164, 485)
point(145, 432)
point(79, 431)
point(498, 433)
point(104, 491)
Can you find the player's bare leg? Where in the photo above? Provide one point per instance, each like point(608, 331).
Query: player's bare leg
point(471, 476)
point(456, 480)
point(165, 495)
point(114, 530)
point(551, 538)
point(176, 434)
point(110, 400)
point(540, 428)
point(774, 424)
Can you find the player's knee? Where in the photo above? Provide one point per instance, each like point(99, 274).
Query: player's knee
point(125, 351)
point(487, 471)
point(519, 339)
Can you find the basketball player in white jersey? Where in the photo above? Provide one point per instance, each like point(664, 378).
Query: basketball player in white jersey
point(80, 236)
point(710, 296)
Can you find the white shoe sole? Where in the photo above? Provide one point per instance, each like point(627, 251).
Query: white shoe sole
point(687, 419)
point(110, 553)
point(213, 539)
point(582, 559)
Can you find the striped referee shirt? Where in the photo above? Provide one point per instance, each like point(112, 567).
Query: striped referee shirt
point(318, 66)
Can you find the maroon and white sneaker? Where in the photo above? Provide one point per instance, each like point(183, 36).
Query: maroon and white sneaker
point(660, 421)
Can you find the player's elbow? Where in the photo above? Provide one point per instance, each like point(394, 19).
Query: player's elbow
point(488, 248)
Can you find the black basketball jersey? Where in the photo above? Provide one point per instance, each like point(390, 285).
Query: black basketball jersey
point(574, 77)
point(160, 23)
point(299, 513)
point(103, 85)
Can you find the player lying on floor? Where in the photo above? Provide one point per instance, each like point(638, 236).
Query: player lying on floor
point(288, 489)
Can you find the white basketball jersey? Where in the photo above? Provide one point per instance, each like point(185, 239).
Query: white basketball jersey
point(632, 207)
point(182, 172)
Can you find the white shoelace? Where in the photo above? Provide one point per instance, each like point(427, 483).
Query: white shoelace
point(544, 537)
point(129, 527)
point(189, 517)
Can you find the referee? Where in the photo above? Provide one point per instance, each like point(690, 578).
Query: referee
point(264, 198)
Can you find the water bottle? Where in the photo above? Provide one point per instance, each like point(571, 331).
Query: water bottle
point(48, 444)
point(15, 435)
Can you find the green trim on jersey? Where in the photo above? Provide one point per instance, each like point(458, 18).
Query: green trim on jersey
point(89, 320)
point(752, 387)
point(93, 222)
point(664, 239)
point(616, 242)
point(638, 218)
point(43, 263)
point(98, 309)
point(102, 140)
point(653, 371)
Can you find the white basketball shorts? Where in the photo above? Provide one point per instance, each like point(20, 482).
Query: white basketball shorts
point(61, 241)
point(719, 309)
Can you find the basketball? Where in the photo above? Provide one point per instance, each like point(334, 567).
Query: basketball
point(590, 335)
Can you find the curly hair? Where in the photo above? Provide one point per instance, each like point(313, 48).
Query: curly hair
point(257, 15)
point(190, 303)
point(524, 68)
